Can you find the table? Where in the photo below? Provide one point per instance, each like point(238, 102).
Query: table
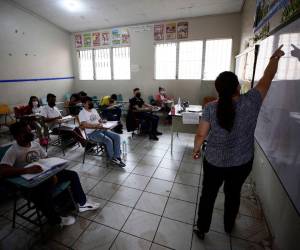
point(177, 124)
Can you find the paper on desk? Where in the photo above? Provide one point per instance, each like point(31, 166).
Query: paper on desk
point(190, 118)
point(110, 124)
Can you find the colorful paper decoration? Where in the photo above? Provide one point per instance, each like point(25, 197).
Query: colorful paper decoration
point(105, 38)
point(78, 40)
point(87, 40)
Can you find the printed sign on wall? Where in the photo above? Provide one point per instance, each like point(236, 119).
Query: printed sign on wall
point(116, 37)
point(182, 30)
point(87, 40)
point(159, 32)
point(105, 38)
point(171, 31)
point(125, 36)
point(78, 40)
point(96, 39)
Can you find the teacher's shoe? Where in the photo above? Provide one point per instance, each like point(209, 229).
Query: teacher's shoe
point(153, 137)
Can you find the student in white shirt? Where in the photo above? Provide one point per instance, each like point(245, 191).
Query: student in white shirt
point(25, 151)
point(91, 121)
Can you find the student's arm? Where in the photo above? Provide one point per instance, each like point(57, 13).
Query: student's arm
point(201, 134)
point(269, 73)
point(9, 171)
point(91, 126)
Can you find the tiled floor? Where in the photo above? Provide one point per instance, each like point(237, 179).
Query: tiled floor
point(150, 204)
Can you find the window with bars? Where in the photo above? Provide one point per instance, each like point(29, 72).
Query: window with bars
point(102, 64)
point(97, 64)
point(217, 57)
point(86, 68)
point(190, 60)
point(165, 61)
point(121, 63)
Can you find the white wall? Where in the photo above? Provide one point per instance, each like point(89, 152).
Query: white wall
point(282, 217)
point(48, 52)
point(142, 54)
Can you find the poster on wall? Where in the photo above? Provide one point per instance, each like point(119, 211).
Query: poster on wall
point(105, 38)
point(116, 36)
point(171, 31)
point(125, 36)
point(265, 9)
point(78, 40)
point(87, 40)
point(182, 30)
point(158, 32)
point(96, 39)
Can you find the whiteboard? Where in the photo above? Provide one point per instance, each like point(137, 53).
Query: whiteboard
point(278, 125)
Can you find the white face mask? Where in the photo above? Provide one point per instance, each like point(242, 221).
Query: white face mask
point(35, 104)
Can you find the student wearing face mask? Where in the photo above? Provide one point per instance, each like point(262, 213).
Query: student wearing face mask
point(91, 121)
point(138, 108)
point(34, 105)
point(165, 102)
point(25, 151)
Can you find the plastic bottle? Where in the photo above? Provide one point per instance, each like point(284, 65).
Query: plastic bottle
point(173, 110)
point(124, 150)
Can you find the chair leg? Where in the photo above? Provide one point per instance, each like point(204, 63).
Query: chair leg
point(84, 152)
point(15, 211)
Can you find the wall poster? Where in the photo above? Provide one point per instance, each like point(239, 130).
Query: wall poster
point(96, 39)
point(116, 36)
point(171, 31)
point(78, 41)
point(105, 38)
point(159, 32)
point(182, 30)
point(87, 40)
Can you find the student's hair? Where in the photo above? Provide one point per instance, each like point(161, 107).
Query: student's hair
point(82, 93)
point(114, 97)
point(226, 85)
point(135, 89)
point(85, 99)
point(31, 100)
point(17, 128)
point(76, 96)
point(160, 89)
point(50, 95)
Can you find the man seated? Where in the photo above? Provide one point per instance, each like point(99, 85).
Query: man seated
point(75, 104)
point(142, 111)
point(93, 125)
point(25, 151)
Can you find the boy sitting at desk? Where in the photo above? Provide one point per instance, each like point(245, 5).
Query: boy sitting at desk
point(93, 125)
point(25, 151)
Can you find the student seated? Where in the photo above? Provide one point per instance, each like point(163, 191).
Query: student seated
point(138, 108)
point(91, 121)
point(25, 151)
point(75, 104)
point(111, 111)
point(164, 101)
point(34, 105)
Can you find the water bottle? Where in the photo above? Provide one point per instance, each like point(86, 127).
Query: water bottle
point(124, 150)
point(179, 104)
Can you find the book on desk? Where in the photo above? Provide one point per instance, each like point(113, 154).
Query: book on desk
point(47, 164)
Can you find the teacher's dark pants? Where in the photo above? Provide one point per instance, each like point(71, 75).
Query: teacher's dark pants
point(233, 178)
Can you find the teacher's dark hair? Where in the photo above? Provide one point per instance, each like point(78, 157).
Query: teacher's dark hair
point(226, 86)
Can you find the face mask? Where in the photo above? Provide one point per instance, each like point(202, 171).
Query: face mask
point(91, 105)
point(35, 104)
point(51, 104)
point(162, 92)
point(138, 94)
point(28, 137)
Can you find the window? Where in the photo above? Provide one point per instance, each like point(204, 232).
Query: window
point(86, 69)
point(165, 61)
point(217, 57)
point(190, 60)
point(102, 64)
point(121, 62)
point(96, 64)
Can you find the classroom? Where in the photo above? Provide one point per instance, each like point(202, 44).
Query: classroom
point(150, 124)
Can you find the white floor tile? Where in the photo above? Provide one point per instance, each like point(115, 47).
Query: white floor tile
point(165, 174)
point(159, 187)
point(126, 196)
point(152, 203)
point(184, 192)
point(128, 242)
point(136, 181)
point(104, 190)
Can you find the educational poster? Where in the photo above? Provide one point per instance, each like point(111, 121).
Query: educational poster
point(159, 32)
point(125, 36)
point(96, 39)
point(87, 40)
point(182, 30)
point(105, 38)
point(171, 31)
point(116, 36)
point(78, 41)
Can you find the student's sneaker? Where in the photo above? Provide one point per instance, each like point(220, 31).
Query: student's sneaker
point(118, 162)
point(67, 221)
point(121, 162)
point(88, 206)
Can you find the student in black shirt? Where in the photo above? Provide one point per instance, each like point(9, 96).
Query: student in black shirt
point(143, 111)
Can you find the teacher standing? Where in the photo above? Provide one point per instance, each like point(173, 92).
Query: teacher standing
point(228, 125)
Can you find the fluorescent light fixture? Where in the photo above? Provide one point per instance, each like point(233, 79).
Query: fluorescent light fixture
point(71, 5)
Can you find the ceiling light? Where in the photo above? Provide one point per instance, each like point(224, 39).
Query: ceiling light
point(71, 5)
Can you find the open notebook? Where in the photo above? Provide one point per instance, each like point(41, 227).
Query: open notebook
point(46, 164)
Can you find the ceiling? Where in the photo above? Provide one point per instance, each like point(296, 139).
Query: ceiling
point(81, 15)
